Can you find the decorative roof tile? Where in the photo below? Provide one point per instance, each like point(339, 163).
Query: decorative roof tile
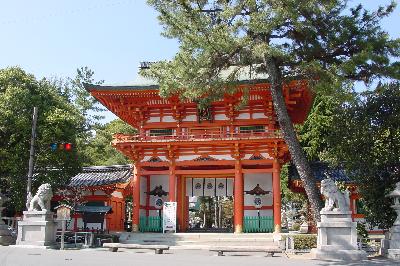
point(101, 175)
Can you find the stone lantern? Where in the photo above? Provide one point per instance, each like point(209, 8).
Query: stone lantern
point(391, 244)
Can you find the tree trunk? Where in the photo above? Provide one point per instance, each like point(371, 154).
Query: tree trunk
point(289, 135)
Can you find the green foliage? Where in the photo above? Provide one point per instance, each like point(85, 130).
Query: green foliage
point(296, 226)
point(99, 150)
point(58, 121)
point(367, 140)
point(302, 242)
point(287, 195)
point(305, 241)
point(306, 39)
point(319, 124)
point(362, 230)
point(325, 42)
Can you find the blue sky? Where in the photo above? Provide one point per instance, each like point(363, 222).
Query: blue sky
point(50, 38)
point(53, 38)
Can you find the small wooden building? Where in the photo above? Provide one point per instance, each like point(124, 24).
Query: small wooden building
point(102, 186)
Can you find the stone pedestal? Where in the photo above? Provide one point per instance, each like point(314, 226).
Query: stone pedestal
point(337, 237)
point(6, 237)
point(390, 246)
point(37, 228)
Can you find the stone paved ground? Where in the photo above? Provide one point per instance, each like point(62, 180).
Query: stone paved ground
point(11, 256)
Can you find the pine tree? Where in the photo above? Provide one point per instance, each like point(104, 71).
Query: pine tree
point(326, 42)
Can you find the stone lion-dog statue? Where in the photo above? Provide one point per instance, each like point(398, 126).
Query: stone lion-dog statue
point(334, 197)
point(41, 199)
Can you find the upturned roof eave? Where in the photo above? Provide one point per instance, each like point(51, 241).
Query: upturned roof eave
point(139, 87)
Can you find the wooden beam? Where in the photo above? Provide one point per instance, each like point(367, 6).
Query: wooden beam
point(262, 170)
point(200, 163)
point(205, 172)
point(154, 172)
point(264, 161)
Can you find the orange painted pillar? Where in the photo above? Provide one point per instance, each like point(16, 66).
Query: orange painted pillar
point(185, 212)
point(238, 197)
point(136, 199)
point(147, 195)
point(179, 203)
point(172, 181)
point(276, 188)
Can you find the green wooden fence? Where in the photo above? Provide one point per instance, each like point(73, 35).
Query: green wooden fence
point(255, 224)
point(150, 224)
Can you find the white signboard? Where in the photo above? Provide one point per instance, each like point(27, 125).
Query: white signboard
point(169, 216)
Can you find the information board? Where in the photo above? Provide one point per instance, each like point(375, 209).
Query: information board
point(169, 216)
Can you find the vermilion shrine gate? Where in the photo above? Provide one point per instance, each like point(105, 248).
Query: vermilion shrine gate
point(218, 150)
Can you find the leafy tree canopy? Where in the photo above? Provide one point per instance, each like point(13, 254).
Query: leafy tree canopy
point(99, 149)
point(307, 39)
point(366, 139)
point(327, 43)
point(58, 121)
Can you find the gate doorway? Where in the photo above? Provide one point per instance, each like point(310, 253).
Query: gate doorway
point(210, 203)
point(211, 214)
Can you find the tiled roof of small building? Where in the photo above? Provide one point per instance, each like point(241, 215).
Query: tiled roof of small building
point(101, 175)
point(322, 170)
point(93, 209)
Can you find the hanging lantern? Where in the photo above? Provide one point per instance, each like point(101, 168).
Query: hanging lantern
point(158, 203)
point(257, 202)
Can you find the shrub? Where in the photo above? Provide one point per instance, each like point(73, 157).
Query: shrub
point(362, 230)
point(305, 241)
point(302, 241)
point(296, 226)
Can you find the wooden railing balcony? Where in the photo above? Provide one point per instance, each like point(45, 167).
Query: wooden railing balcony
point(118, 138)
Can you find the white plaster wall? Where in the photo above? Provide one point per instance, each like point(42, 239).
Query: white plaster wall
point(117, 194)
point(221, 117)
point(247, 156)
point(222, 157)
point(168, 118)
point(263, 154)
point(143, 187)
point(259, 115)
point(265, 181)
point(243, 116)
point(192, 157)
point(187, 157)
point(190, 118)
point(99, 193)
point(146, 158)
point(157, 180)
point(254, 213)
point(154, 119)
point(266, 155)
